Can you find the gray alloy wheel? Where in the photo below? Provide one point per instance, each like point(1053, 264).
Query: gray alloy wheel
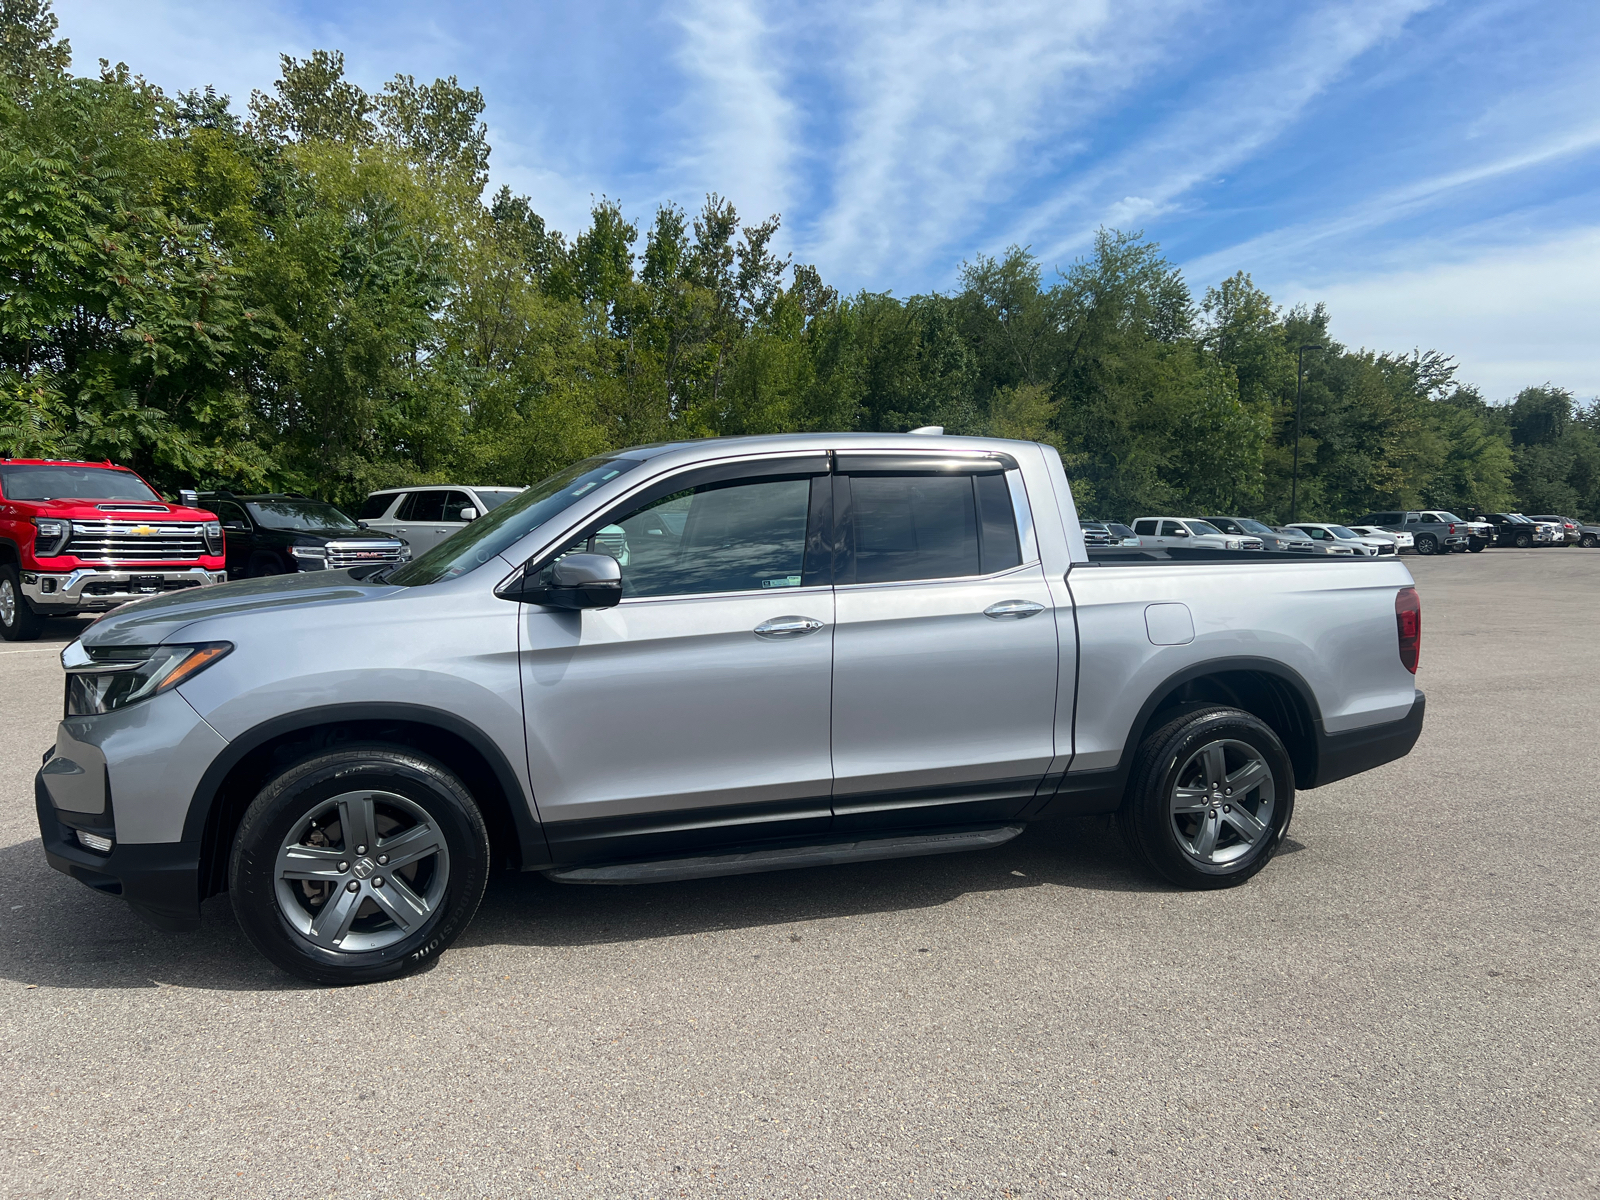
point(1427, 544)
point(8, 602)
point(1222, 802)
point(1524, 540)
point(1587, 541)
point(363, 871)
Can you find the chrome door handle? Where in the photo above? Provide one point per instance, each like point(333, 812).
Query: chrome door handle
point(1013, 610)
point(787, 627)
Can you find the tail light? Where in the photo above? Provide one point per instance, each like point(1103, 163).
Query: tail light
point(1408, 623)
point(1452, 529)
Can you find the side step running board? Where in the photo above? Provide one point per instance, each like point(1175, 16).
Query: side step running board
point(788, 858)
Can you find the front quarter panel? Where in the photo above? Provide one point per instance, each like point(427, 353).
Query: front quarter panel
point(450, 647)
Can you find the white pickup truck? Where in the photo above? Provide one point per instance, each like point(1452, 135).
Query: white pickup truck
point(709, 658)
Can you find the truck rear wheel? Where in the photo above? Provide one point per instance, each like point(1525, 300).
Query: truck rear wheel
point(1427, 544)
point(1524, 540)
point(359, 865)
point(18, 622)
point(1210, 798)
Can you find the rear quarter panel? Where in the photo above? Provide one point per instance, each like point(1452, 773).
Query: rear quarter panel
point(1331, 621)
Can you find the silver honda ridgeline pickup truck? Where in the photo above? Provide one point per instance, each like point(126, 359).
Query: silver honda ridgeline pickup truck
point(711, 658)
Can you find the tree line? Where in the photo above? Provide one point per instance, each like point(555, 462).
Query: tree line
point(319, 295)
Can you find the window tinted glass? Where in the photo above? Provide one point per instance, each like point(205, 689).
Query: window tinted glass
point(374, 507)
point(309, 516)
point(1250, 526)
point(1172, 529)
point(228, 512)
point(1121, 531)
point(1203, 527)
point(914, 527)
point(422, 506)
point(454, 502)
point(738, 537)
point(493, 500)
point(1145, 528)
point(998, 545)
point(75, 483)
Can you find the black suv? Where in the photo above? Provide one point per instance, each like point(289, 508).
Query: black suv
point(287, 532)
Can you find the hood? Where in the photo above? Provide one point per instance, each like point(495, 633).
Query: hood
point(160, 618)
point(115, 510)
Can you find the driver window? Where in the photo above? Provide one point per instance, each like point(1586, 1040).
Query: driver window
point(720, 538)
point(231, 515)
point(1173, 529)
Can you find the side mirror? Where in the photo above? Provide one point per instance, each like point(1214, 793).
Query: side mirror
point(1180, 532)
point(577, 581)
point(469, 513)
point(363, 524)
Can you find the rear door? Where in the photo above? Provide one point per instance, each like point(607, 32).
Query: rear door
point(418, 521)
point(945, 648)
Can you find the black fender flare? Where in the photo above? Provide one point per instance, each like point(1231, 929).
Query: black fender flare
point(534, 850)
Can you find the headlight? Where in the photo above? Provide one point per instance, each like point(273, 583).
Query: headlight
point(212, 532)
point(50, 536)
point(310, 558)
point(1233, 544)
point(110, 677)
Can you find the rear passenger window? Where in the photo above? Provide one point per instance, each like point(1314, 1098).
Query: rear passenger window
point(1144, 528)
point(422, 506)
point(910, 527)
point(375, 506)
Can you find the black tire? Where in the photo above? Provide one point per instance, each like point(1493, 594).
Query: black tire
point(18, 622)
point(1524, 540)
point(1427, 544)
point(1147, 813)
point(1477, 545)
point(265, 564)
point(1458, 548)
point(1587, 541)
point(292, 801)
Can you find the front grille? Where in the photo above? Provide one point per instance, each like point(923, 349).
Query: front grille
point(357, 554)
point(119, 587)
point(1385, 549)
point(135, 541)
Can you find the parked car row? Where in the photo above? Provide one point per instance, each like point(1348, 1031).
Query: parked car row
point(1424, 531)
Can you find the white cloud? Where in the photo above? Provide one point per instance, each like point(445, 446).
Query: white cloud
point(950, 106)
point(741, 125)
point(1237, 117)
point(1512, 317)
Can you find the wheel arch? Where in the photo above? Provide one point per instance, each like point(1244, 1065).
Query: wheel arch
point(1270, 690)
point(237, 775)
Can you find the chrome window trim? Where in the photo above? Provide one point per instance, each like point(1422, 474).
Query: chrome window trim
point(896, 583)
point(814, 590)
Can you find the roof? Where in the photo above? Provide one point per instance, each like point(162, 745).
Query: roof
point(104, 464)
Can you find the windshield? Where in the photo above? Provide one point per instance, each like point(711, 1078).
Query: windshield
point(1122, 531)
point(493, 500)
point(1204, 527)
point(1249, 526)
point(300, 516)
point(522, 514)
point(23, 482)
point(1451, 519)
point(1341, 531)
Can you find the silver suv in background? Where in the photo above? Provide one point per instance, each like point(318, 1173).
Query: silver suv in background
point(1271, 539)
point(422, 517)
point(1163, 533)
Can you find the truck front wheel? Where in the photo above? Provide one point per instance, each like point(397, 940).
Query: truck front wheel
point(359, 865)
point(1210, 798)
point(18, 622)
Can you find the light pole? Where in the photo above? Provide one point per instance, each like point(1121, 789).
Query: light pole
point(1299, 385)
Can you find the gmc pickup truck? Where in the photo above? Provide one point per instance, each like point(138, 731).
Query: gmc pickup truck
point(712, 658)
point(80, 537)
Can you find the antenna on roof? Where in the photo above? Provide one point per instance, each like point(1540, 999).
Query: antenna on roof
point(930, 429)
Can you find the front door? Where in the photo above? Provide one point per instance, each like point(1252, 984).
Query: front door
point(419, 522)
point(945, 651)
point(695, 712)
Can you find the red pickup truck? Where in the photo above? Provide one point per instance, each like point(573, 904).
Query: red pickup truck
point(79, 537)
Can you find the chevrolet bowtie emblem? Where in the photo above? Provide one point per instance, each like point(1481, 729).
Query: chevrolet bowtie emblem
point(144, 530)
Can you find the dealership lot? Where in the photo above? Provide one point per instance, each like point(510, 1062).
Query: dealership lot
point(1404, 1003)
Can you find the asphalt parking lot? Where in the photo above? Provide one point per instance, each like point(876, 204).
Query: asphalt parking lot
point(1403, 1004)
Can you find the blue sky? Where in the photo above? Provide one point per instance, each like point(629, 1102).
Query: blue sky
point(1429, 169)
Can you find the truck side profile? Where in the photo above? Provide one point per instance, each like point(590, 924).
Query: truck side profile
point(710, 658)
point(79, 537)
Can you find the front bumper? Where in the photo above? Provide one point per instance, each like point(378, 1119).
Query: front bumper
point(97, 589)
point(159, 880)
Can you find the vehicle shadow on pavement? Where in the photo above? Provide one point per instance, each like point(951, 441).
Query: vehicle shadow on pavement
point(64, 935)
point(530, 910)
